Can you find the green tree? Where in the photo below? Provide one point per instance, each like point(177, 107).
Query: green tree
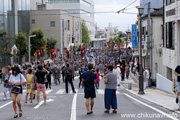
point(21, 42)
point(38, 41)
point(5, 46)
point(85, 33)
point(51, 43)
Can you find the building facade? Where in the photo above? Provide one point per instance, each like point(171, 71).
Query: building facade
point(58, 24)
point(156, 44)
point(171, 54)
point(79, 8)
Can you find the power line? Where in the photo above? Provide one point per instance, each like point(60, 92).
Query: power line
point(125, 8)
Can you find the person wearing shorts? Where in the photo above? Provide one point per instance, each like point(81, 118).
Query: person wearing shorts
point(177, 73)
point(89, 91)
point(40, 75)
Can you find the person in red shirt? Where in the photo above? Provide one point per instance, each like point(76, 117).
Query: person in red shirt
point(98, 79)
point(122, 72)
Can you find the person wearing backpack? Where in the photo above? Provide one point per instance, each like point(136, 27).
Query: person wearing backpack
point(89, 79)
point(40, 75)
point(68, 78)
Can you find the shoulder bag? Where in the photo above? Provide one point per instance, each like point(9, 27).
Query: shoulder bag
point(16, 89)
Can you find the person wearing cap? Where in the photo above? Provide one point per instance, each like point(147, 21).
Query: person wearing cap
point(56, 74)
point(146, 77)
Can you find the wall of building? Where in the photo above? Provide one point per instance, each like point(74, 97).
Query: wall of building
point(60, 31)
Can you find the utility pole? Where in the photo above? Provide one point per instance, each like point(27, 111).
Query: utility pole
point(148, 37)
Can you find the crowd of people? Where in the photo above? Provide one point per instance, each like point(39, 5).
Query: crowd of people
point(90, 68)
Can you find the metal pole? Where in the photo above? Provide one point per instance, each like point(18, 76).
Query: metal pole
point(29, 51)
point(148, 37)
point(141, 85)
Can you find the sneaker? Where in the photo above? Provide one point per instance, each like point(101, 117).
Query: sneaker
point(177, 100)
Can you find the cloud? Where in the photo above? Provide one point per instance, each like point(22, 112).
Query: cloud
point(120, 20)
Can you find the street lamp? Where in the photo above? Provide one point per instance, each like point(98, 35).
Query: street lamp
point(141, 86)
point(29, 47)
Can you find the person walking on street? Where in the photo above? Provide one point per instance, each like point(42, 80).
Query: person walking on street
point(68, 78)
point(110, 81)
point(30, 85)
point(48, 83)
point(177, 73)
point(117, 72)
point(98, 78)
point(127, 71)
point(1, 76)
point(17, 80)
point(150, 78)
point(5, 79)
point(146, 77)
point(40, 76)
point(56, 74)
point(89, 79)
point(122, 72)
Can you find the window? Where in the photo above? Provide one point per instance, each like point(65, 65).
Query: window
point(168, 2)
point(33, 21)
point(170, 35)
point(68, 25)
point(52, 23)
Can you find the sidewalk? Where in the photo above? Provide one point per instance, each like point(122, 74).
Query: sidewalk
point(158, 97)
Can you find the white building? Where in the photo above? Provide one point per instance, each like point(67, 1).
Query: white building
point(80, 8)
point(156, 39)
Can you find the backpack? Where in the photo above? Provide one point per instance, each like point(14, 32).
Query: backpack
point(68, 73)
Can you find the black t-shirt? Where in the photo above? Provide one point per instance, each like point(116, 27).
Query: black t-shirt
point(40, 75)
point(178, 71)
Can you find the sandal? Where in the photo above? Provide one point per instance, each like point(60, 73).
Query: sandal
point(114, 111)
point(15, 115)
point(107, 111)
point(20, 113)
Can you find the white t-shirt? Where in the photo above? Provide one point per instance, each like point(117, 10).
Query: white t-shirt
point(16, 79)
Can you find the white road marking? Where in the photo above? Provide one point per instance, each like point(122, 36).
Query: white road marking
point(37, 106)
point(100, 91)
point(75, 90)
point(5, 104)
point(169, 116)
point(48, 91)
point(60, 91)
point(73, 110)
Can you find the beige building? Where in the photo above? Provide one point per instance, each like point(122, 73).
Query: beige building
point(156, 39)
point(58, 24)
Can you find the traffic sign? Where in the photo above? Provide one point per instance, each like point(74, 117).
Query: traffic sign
point(134, 36)
point(35, 54)
point(57, 49)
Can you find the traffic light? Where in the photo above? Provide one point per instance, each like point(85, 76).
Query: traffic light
point(42, 51)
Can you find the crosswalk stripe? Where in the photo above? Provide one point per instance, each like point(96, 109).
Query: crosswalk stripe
point(60, 91)
point(75, 90)
point(100, 91)
point(117, 92)
point(5, 104)
point(48, 91)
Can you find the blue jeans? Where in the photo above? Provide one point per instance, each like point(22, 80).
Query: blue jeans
point(127, 75)
point(97, 84)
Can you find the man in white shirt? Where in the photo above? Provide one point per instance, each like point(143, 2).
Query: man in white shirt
point(146, 77)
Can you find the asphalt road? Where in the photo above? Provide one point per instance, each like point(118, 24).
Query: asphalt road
point(70, 106)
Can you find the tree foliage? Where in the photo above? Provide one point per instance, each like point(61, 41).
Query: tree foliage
point(5, 46)
point(38, 41)
point(21, 42)
point(51, 44)
point(85, 33)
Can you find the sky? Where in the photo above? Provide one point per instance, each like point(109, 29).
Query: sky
point(120, 20)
